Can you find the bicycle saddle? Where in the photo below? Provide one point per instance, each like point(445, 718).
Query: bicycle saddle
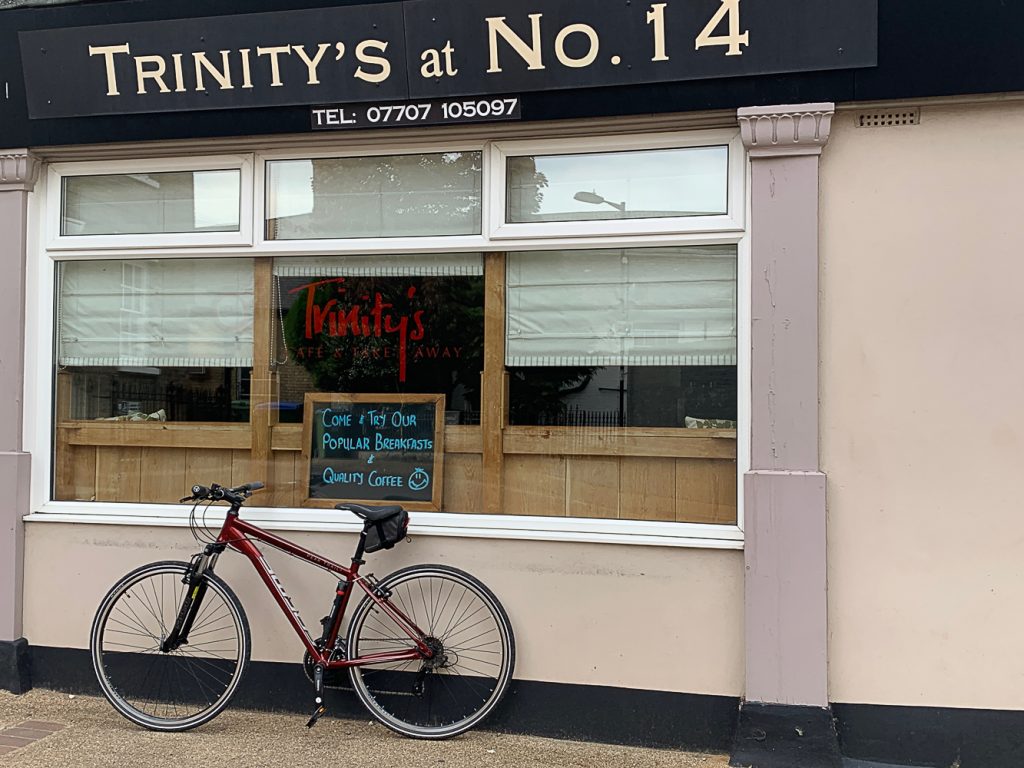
point(373, 514)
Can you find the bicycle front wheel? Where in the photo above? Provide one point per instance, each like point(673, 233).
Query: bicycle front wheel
point(180, 689)
point(474, 653)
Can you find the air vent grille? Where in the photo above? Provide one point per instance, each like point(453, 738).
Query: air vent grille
point(889, 118)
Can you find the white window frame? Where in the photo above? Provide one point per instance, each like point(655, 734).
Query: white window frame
point(732, 221)
point(55, 241)
point(44, 224)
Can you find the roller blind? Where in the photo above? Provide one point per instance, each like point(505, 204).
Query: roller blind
point(430, 265)
point(138, 313)
point(654, 306)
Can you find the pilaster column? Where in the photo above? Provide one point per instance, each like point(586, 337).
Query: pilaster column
point(18, 172)
point(784, 500)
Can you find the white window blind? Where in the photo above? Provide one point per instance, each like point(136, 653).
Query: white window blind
point(430, 265)
point(654, 306)
point(141, 313)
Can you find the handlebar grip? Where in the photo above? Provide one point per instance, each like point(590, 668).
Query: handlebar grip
point(255, 486)
point(200, 491)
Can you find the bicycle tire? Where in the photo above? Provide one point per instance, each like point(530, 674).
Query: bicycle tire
point(448, 605)
point(190, 685)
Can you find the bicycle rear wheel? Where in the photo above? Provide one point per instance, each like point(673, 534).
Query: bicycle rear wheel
point(474, 646)
point(180, 689)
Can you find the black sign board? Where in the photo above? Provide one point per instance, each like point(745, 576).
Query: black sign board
point(374, 449)
point(432, 49)
point(338, 117)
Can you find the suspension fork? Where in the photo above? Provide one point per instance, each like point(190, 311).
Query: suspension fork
point(196, 580)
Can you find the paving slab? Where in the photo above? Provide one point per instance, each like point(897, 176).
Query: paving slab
point(95, 735)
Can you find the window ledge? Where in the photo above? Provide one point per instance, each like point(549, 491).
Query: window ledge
point(524, 528)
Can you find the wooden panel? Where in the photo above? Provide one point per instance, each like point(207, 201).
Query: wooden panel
point(163, 477)
point(628, 441)
point(283, 483)
point(118, 474)
point(706, 491)
point(457, 438)
point(155, 434)
point(207, 465)
point(75, 473)
point(243, 468)
point(463, 483)
point(263, 389)
point(647, 488)
point(593, 487)
point(492, 380)
point(534, 485)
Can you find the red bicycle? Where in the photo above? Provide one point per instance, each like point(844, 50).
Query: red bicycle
point(429, 650)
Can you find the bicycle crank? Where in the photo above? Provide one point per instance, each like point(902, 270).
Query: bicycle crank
point(334, 679)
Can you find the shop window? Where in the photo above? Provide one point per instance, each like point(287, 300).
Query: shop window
point(363, 197)
point(153, 360)
point(386, 324)
point(577, 383)
point(622, 383)
point(652, 184)
point(151, 203)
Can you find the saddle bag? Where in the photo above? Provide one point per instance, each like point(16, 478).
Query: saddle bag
point(384, 534)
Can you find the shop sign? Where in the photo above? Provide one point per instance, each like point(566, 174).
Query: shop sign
point(373, 448)
point(432, 49)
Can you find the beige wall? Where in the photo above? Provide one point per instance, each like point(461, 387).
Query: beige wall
point(656, 618)
point(922, 391)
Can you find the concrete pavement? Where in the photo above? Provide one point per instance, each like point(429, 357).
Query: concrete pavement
point(95, 735)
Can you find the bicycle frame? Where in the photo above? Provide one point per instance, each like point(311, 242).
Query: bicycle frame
point(236, 533)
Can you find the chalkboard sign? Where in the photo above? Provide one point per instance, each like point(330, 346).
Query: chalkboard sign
point(373, 449)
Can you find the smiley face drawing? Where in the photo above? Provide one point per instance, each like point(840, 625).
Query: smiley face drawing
point(419, 479)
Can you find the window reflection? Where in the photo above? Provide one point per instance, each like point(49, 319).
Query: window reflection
point(618, 185)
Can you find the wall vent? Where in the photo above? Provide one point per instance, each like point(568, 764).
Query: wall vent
point(887, 118)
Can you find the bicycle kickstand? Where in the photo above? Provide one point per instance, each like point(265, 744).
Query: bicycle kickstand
point(318, 683)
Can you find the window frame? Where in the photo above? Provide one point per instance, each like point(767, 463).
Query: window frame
point(57, 172)
point(731, 221)
point(44, 221)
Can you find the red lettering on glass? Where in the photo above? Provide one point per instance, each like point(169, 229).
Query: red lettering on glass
point(375, 321)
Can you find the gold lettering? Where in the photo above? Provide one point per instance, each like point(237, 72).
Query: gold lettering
point(656, 16)
point(179, 78)
point(275, 70)
point(583, 61)
point(379, 61)
point(448, 51)
point(246, 74)
point(432, 63)
point(142, 74)
point(108, 51)
point(311, 65)
point(224, 78)
point(531, 53)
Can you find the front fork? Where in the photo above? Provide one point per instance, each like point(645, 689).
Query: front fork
point(196, 584)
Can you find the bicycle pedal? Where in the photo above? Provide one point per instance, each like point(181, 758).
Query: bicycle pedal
point(317, 713)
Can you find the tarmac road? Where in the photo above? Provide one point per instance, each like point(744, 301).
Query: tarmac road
point(83, 731)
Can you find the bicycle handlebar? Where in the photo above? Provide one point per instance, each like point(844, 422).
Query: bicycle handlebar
point(219, 493)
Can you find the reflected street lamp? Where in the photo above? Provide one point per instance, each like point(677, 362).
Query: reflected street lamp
point(595, 199)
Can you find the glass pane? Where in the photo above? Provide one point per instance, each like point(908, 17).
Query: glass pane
point(649, 184)
point(156, 394)
point(403, 333)
point(151, 203)
point(695, 397)
point(156, 313)
point(390, 196)
point(666, 306)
